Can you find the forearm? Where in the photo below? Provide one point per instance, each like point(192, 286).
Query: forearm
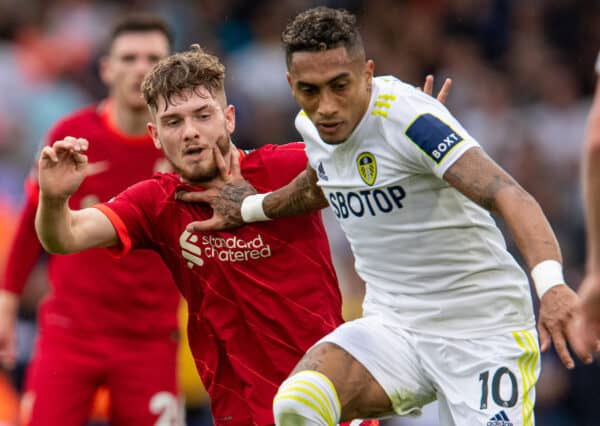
point(300, 196)
point(591, 183)
point(528, 226)
point(53, 222)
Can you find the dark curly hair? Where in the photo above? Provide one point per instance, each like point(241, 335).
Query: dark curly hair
point(183, 71)
point(322, 28)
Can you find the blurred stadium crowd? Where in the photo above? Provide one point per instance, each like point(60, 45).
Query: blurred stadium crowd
point(522, 71)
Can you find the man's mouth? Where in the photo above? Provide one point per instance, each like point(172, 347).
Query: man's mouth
point(193, 152)
point(329, 127)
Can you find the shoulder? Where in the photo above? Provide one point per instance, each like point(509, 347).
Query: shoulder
point(400, 103)
point(272, 152)
point(77, 121)
point(159, 188)
point(272, 166)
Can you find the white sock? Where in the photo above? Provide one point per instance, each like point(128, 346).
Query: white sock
point(307, 398)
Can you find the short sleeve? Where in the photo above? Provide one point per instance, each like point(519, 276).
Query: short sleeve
point(427, 134)
point(131, 214)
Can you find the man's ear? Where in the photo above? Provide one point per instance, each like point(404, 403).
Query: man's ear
point(154, 135)
point(105, 70)
point(229, 118)
point(369, 70)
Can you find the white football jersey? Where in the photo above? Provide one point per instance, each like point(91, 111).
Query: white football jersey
point(433, 260)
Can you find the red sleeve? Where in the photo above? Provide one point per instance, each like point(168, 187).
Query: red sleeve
point(130, 213)
point(121, 229)
point(287, 161)
point(25, 249)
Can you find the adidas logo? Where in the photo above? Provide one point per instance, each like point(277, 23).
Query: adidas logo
point(500, 419)
point(321, 171)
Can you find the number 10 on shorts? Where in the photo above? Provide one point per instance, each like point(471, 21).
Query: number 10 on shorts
point(508, 398)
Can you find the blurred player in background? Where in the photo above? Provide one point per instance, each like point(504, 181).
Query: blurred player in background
point(447, 312)
point(106, 322)
point(588, 332)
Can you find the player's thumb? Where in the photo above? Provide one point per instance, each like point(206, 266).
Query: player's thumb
point(203, 225)
point(193, 196)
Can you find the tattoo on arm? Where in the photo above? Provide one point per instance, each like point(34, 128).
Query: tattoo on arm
point(301, 196)
point(479, 178)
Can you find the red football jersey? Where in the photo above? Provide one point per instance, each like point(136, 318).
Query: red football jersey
point(259, 296)
point(91, 291)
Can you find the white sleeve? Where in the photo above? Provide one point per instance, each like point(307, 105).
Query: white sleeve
point(431, 138)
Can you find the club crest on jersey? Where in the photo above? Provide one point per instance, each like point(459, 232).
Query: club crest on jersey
point(367, 167)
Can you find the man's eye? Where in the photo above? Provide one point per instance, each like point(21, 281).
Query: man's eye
point(172, 123)
point(128, 58)
point(153, 59)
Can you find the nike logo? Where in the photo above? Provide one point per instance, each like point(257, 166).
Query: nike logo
point(96, 168)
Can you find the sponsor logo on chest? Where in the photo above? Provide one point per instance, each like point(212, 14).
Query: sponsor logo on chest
point(197, 249)
point(368, 202)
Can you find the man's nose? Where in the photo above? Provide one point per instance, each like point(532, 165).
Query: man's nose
point(144, 65)
point(327, 104)
point(190, 131)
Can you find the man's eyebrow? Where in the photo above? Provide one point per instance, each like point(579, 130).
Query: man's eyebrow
point(177, 114)
point(330, 81)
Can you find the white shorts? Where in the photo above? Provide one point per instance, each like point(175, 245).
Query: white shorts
point(488, 381)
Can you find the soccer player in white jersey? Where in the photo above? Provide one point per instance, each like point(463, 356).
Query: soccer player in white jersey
point(448, 312)
point(588, 331)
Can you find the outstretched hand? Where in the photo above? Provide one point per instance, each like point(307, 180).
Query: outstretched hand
point(587, 325)
point(444, 91)
point(557, 324)
point(62, 167)
point(224, 194)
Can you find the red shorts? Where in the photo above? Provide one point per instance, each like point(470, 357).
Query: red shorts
point(67, 369)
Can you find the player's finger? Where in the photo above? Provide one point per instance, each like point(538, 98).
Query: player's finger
point(545, 339)
point(445, 91)
point(582, 345)
point(428, 85)
point(193, 196)
point(235, 171)
point(49, 154)
point(205, 225)
point(560, 345)
point(67, 144)
point(220, 161)
point(84, 144)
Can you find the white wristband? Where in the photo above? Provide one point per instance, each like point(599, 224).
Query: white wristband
point(546, 275)
point(252, 209)
point(598, 64)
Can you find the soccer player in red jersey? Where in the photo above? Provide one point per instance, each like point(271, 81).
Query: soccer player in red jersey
point(105, 322)
point(258, 297)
